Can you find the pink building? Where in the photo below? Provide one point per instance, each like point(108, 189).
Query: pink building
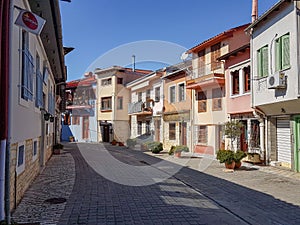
point(238, 97)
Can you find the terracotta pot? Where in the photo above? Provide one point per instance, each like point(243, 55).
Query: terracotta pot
point(177, 154)
point(230, 165)
point(237, 165)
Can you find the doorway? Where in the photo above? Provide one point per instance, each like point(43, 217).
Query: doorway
point(105, 133)
point(183, 133)
point(297, 144)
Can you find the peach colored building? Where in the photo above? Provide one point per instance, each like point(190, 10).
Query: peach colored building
point(207, 83)
point(177, 107)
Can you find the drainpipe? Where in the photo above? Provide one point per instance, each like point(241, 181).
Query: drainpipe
point(4, 77)
point(9, 110)
point(297, 42)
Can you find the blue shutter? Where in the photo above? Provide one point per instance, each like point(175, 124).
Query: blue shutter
point(27, 78)
point(39, 90)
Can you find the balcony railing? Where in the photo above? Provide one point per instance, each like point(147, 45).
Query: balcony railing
point(203, 69)
point(138, 108)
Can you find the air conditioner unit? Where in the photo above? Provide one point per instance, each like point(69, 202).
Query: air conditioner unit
point(277, 80)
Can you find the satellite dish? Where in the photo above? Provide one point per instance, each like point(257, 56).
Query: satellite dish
point(184, 56)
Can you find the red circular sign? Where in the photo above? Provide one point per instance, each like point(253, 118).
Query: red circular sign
point(29, 20)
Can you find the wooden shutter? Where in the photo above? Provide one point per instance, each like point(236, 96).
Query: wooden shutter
point(277, 55)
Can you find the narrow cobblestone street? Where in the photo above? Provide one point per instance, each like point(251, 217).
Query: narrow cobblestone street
point(190, 190)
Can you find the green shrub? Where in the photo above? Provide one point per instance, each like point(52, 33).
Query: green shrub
point(154, 146)
point(172, 150)
point(239, 155)
point(178, 148)
point(131, 142)
point(225, 156)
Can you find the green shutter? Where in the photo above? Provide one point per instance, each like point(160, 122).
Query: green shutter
point(259, 67)
point(285, 51)
point(265, 59)
point(277, 55)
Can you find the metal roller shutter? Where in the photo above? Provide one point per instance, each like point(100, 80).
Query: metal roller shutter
point(283, 140)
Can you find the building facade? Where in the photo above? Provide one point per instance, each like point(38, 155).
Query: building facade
point(145, 107)
point(177, 107)
point(80, 119)
point(35, 69)
point(275, 81)
point(207, 82)
point(112, 99)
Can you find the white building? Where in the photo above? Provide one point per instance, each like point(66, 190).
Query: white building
point(275, 81)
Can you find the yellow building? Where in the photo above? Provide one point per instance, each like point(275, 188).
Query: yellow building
point(112, 102)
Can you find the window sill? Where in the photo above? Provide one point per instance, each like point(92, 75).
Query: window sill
point(106, 110)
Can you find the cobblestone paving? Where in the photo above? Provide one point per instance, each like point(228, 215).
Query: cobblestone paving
point(55, 181)
point(189, 190)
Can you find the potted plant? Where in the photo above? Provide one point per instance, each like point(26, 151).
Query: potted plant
point(177, 150)
point(114, 142)
point(227, 157)
point(71, 138)
point(131, 143)
point(233, 129)
point(57, 148)
point(238, 156)
point(121, 143)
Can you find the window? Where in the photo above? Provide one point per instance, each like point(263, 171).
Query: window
point(263, 62)
point(20, 158)
point(217, 95)
point(172, 94)
point(202, 134)
point(27, 69)
point(139, 128)
point(215, 54)
point(140, 94)
point(34, 152)
point(235, 76)
point(247, 80)
point(157, 94)
point(76, 120)
point(201, 97)
point(120, 103)
point(147, 127)
point(38, 83)
point(119, 80)
point(181, 92)
point(148, 94)
point(106, 103)
point(172, 131)
point(282, 52)
point(201, 62)
point(105, 82)
point(51, 101)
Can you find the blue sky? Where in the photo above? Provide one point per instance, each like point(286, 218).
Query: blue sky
point(95, 27)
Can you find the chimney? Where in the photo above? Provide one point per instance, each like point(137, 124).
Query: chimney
point(254, 10)
point(133, 63)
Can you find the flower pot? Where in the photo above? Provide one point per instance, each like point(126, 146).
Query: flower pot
point(237, 165)
point(56, 151)
point(230, 165)
point(177, 154)
point(121, 144)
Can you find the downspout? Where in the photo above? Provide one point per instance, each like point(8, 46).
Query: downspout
point(4, 77)
point(9, 110)
point(297, 43)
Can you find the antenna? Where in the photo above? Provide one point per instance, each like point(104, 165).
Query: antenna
point(133, 63)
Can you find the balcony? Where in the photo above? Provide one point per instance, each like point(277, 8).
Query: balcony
point(139, 108)
point(206, 75)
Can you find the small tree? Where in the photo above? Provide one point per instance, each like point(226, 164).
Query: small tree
point(233, 129)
